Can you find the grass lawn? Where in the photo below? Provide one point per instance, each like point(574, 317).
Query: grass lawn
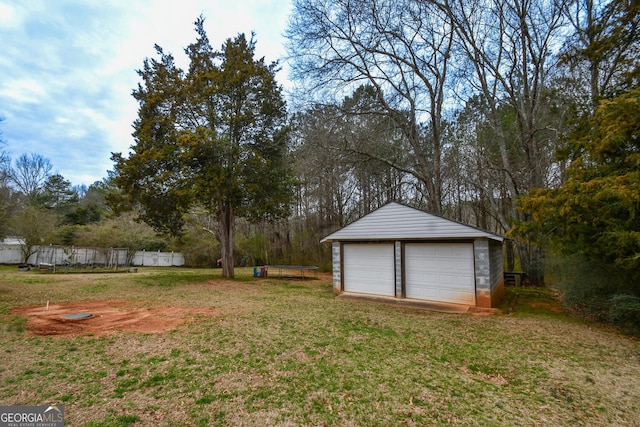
point(289, 353)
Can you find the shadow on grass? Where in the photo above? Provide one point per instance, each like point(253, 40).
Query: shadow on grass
point(533, 301)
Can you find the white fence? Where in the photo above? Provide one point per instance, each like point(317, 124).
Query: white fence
point(10, 254)
point(84, 256)
point(158, 259)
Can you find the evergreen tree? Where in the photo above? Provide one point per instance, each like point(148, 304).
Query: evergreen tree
point(596, 212)
point(57, 194)
point(214, 137)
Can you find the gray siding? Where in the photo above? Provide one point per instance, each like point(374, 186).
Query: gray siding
point(395, 221)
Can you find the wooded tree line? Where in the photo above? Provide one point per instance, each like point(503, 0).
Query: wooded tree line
point(42, 208)
point(516, 116)
point(475, 101)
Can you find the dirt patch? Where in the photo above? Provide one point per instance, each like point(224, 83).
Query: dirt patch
point(107, 317)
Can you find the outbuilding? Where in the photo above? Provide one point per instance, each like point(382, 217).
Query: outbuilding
point(401, 252)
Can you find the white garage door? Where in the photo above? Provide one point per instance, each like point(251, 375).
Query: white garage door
point(440, 272)
point(369, 269)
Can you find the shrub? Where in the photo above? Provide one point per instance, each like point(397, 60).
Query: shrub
point(597, 291)
point(624, 311)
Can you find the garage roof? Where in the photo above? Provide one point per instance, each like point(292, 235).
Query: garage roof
point(398, 221)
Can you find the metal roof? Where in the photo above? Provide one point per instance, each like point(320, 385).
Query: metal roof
point(395, 221)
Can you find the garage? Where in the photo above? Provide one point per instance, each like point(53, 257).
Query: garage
point(369, 269)
point(441, 272)
point(403, 253)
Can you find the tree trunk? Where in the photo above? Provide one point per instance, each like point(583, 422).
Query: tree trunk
point(227, 221)
point(510, 255)
point(532, 261)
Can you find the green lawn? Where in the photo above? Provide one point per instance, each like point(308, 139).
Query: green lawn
point(289, 353)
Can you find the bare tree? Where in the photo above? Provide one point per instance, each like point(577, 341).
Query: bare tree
point(402, 49)
point(326, 189)
point(510, 48)
point(604, 47)
point(5, 191)
point(35, 226)
point(29, 173)
point(5, 159)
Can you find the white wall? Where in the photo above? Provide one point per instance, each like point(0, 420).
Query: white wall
point(158, 259)
point(11, 254)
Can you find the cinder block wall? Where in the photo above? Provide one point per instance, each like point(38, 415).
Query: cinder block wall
point(398, 266)
point(497, 272)
point(489, 272)
point(335, 260)
point(483, 272)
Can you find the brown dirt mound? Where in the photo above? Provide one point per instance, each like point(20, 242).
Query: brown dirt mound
point(107, 317)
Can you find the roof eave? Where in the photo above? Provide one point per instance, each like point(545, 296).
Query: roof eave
point(330, 239)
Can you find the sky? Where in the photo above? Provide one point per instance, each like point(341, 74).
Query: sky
point(68, 68)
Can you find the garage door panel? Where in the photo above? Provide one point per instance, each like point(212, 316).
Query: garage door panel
point(441, 272)
point(369, 269)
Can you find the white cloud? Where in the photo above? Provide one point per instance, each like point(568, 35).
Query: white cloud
point(11, 15)
point(70, 68)
point(23, 91)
